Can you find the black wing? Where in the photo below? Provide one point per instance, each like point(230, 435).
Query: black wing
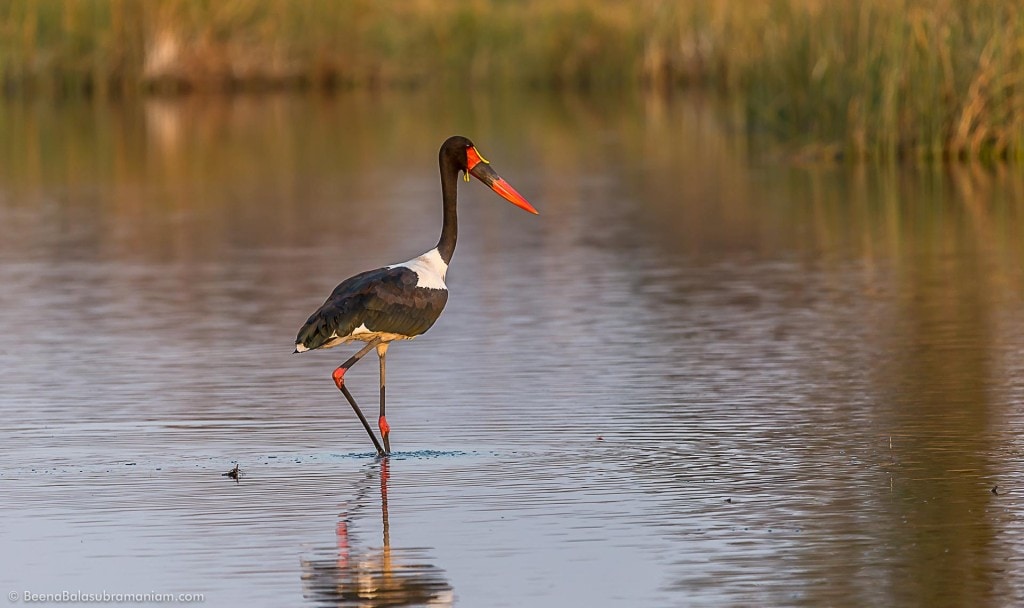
point(385, 300)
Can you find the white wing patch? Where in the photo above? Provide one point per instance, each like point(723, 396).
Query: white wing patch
point(429, 268)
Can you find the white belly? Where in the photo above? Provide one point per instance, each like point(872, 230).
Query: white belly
point(363, 334)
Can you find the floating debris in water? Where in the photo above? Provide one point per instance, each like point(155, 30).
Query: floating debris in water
point(995, 490)
point(234, 473)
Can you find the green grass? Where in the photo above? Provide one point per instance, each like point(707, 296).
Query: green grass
point(885, 78)
point(863, 78)
point(114, 46)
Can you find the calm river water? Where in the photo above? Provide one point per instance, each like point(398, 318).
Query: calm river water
point(704, 375)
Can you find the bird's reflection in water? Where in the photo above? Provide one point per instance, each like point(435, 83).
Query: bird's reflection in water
point(354, 574)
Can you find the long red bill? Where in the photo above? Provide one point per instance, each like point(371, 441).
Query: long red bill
point(480, 169)
point(509, 193)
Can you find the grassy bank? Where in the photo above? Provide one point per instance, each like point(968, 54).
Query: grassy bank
point(881, 78)
point(878, 78)
point(104, 46)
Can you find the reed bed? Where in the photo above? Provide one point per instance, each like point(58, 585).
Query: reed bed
point(865, 78)
point(878, 78)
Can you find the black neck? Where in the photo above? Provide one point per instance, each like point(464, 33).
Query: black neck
point(450, 227)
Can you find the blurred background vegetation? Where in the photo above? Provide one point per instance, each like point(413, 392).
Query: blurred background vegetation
point(859, 78)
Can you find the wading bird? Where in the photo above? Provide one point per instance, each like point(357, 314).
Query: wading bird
point(401, 301)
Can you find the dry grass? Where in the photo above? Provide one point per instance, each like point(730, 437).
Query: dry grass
point(866, 78)
point(103, 46)
point(880, 78)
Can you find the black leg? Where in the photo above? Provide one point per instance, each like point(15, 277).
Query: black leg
point(366, 425)
point(339, 380)
point(382, 422)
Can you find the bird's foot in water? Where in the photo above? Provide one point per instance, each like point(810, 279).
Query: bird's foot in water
point(339, 376)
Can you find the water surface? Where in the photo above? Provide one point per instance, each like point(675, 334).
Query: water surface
point(704, 375)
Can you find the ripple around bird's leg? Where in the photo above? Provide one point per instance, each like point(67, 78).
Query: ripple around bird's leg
point(295, 458)
point(425, 454)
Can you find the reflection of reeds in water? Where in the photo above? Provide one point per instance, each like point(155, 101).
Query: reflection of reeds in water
point(361, 576)
point(927, 78)
point(298, 159)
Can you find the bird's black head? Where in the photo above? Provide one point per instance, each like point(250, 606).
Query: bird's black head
point(459, 152)
point(455, 149)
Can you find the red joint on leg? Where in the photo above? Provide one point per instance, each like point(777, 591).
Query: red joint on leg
point(385, 428)
point(339, 376)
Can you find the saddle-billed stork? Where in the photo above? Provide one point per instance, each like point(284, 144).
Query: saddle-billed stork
point(401, 301)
